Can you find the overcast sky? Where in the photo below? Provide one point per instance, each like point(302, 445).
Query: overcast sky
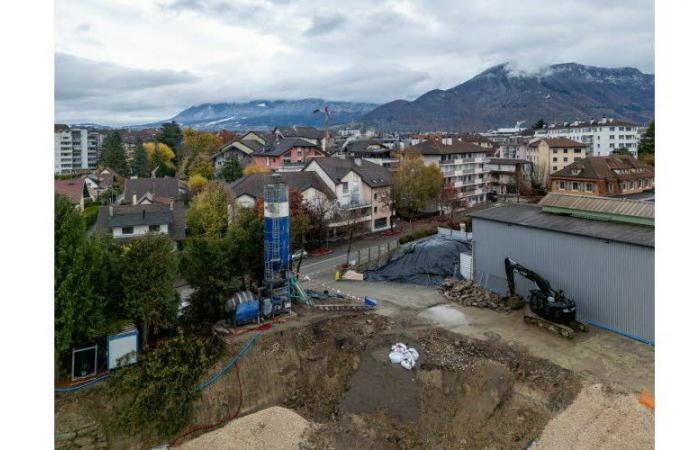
point(134, 61)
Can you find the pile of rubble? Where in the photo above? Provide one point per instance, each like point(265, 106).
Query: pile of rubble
point(468, 293)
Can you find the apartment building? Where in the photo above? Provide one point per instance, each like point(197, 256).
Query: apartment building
point(513, 147)
point(552, 154)
point(75, 149)
point(461, 164)
point(509, 176)
point(604, 176)
point(602, 136)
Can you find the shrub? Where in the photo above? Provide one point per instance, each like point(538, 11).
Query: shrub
point(90, 215)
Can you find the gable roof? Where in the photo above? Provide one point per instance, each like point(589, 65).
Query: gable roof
point(436, 147)
point(282, 146)
point(559, 143)
point(145, 214)
point(362, 147)
point(603, 168)
point(166, 187)
point(372, 174)
point(302, 132)
point(72, 188)
point(254, 184)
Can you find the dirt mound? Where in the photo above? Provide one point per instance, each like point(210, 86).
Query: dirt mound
point(586, 424)
point(463, 394)
point(270, 429)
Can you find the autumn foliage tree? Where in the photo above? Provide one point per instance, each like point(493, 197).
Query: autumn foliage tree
point(209, 212)
point(254, 168)
point(415, 187)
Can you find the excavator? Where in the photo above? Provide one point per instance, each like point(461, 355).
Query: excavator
point(554, 310)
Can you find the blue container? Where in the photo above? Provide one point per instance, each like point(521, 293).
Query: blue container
point(371, 302)
point(247, 311)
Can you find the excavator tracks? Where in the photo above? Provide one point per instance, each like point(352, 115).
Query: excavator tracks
point(566, 331)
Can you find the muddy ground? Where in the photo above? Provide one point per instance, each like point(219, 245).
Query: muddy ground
point(334, 370)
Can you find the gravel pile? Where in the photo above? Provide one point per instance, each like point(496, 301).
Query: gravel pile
point(273, 428)
point(468, 293)
point(600, 419)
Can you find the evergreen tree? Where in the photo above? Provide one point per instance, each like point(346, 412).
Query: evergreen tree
point(646, 143)
point(170, 134)
point(140, 164)
point(231, 170)
point(539, 124)
point(113, 154)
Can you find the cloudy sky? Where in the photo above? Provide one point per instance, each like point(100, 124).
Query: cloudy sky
point(134, 61)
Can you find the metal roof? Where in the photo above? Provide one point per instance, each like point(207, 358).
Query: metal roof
point(604, 205)
point(533, 216)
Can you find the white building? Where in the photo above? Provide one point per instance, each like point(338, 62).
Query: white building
point(461, 164)
point(74, 149)
point(602, 136)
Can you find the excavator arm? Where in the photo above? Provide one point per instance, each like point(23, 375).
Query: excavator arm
point(512, 267)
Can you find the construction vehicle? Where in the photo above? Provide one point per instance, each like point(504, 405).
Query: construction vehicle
point(553, 309)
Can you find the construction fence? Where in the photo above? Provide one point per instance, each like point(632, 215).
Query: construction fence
point(375, 256)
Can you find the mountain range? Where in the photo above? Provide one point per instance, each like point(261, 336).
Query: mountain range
point(498, 97)
point(503, 95)
point(265, 114)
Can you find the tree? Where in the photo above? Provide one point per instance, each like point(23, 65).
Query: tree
point(230, 171)
point(87, 289)
point(209, 212)
point(140, 165)
point(113, 154)
point(246, 236)
point(320, 210)
point(621, 151)
point(196, 183)
point(158, 391)
point(415, 186)
point(161, 157)
point(201, 142)
point(203, 167)
point(646, 143)
point(538, 125)
point(148, 273)
point(170, 134)
point(300, 223)
point(254, 168)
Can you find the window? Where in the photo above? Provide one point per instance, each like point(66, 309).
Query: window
point(562, 186)
point(578, 150)
point(380, 223)
point(375, 209)
point(589, 187)
point(153, 228)
point(598, 145)
point(554, 159)
point(127, 230)
point(300, 153)
point(554, 151)
point(621, 137)
point(566, 150)
point(574, 186)
point(610, 187)
point(612, 137)
point(566, 159)
point(612, 145)
point(376, 196)
point(345, 188)
point(555, 168)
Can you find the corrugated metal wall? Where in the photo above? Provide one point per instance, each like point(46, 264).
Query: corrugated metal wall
point(612, 283)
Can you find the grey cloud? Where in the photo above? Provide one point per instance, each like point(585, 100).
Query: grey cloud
point(184, 5)
point(82, 28)
point(325, 24)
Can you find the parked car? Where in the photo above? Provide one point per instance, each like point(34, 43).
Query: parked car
point(299, 254)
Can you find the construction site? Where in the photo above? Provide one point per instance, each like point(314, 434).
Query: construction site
point(414, 351)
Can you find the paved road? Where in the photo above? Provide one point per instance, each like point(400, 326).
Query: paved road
point(322, 264)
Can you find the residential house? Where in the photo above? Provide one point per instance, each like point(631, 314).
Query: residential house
point(602, 136)
point(75, 149)
point(551, 154)
point(370, 150)
point(310, 134)
point(287, 154)
point(462, 165)
point(247, 190)
point(102, 179)
point(508, 176)
point(603, 176)
point(362, 190)
point(74, 189)
point(241, 148)
point(155, 190)
point(136, 220)
point(513, 147)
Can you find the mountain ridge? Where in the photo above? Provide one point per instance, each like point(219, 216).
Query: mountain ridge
point(504, 94)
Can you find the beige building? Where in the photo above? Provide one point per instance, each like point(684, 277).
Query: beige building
point(604, 176)
point(552, 154)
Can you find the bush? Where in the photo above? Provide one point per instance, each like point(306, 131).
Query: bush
point(90, 215)
point(417, 235)
point(160, 389)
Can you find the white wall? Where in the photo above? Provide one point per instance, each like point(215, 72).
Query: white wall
point(139, 230)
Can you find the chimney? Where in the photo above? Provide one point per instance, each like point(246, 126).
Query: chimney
point(111, 210)
point(134, 199)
